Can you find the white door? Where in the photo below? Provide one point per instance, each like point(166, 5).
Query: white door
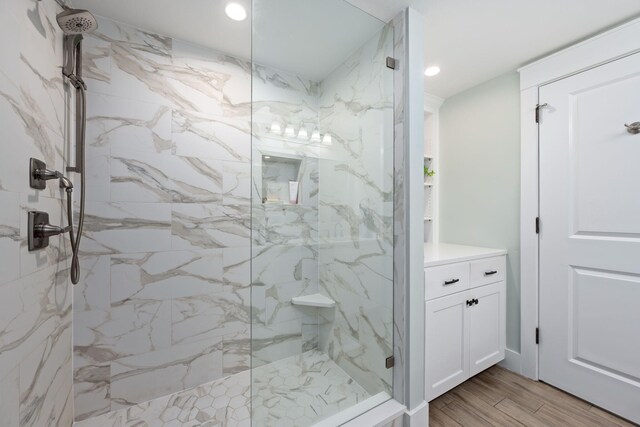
point(447, 340)
point(487, 327)
point(590, 236)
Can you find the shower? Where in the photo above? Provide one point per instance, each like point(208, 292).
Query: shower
point(75, 22)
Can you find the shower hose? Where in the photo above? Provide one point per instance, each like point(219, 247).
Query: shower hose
point(75, 239)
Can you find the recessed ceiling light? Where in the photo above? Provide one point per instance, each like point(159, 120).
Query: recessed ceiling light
point(236, 11)
point(432, 71)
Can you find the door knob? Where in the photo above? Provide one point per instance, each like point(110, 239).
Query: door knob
point(633, 128)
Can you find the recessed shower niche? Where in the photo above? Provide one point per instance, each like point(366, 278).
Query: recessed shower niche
point(288, 180)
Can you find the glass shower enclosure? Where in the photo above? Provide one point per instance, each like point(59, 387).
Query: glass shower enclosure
point(321, 212)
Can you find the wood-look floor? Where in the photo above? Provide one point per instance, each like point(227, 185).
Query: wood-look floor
point(498, 397)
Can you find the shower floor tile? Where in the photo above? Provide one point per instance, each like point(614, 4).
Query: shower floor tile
point(224, 402)
point(297, 391)
point(302, 390)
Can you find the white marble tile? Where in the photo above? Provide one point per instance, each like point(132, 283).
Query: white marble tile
point(237, 266)
point(165, 275)
point(32, 308)
point(124, 330)
point(236, 181)
point(10, 238)
point(9, 404)
point(92, 387)
point(93, 290)
point(276, 341)
point(206, 226)
point(275, 264)
point(148, 177)
point(211, 136)
point(197, 318)
point(46, 377)
point(357, 106)
point(139, 378)
point(236, 351)
point(298, 391)
point(232, 75)
point(122, 123)
point(302, 390)
point(207, 405)
point(126, 228)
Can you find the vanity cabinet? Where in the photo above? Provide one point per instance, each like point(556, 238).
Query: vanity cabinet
point(465, 316)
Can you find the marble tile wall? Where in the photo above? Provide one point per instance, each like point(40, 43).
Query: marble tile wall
point(164, 303)
point(35, 292)
point(285, 235)
point(164, 300)
point(356, 214)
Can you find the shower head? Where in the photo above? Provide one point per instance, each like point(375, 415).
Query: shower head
point(76, 21)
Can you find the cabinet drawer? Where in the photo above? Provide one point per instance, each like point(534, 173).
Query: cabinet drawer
point(486, 271)
point(445, 280)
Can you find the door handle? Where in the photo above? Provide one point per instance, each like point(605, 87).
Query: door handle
point(451, 282)
point(633, 128)
point(490, 273)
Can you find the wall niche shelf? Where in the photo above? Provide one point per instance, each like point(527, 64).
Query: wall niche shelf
point(314, 300)
point(277, 173)
point(431, 160)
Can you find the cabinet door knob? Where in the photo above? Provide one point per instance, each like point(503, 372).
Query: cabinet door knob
point(475, 301)
point(469, 303)
point(490, 273)
point(451, 282)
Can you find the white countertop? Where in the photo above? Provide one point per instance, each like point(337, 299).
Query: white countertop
point(447, 253)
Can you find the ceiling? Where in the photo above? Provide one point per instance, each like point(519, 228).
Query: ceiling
point(309, 38)
point(474, 41)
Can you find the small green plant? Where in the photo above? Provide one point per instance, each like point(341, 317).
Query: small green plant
point(428, 172)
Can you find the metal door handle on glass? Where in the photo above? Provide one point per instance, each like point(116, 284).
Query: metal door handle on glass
point(633, 128)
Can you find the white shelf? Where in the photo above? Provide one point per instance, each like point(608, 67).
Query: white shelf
point(428, 157)
point(428, 184)
point(426, 218)
point(314, 300)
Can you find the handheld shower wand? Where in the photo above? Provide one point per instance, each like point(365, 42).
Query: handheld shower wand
point(75, 22)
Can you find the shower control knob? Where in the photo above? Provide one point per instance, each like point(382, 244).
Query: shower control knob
point(39, 230)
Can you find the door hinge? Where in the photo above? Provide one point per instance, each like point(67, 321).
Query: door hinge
point(389, 362)
point(391, 62)
point(538, 107)
point(537, 335)
point(537, 225)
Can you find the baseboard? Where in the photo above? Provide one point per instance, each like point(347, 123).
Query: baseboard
point(512, 361)
point(417, 417)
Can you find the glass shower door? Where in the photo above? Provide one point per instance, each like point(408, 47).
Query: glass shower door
point(322, 212)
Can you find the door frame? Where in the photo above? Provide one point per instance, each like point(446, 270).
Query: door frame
point(621, 41)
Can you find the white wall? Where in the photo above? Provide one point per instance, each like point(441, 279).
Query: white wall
point(480, 177)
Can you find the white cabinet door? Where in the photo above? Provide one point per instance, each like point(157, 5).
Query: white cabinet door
point(447, 340)
point(487, 326)
point(590, 236)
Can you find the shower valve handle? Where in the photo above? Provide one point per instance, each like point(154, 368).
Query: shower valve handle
point(48, 230)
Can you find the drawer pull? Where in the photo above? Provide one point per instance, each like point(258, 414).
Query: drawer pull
point(490, 273)
point(451, 282)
